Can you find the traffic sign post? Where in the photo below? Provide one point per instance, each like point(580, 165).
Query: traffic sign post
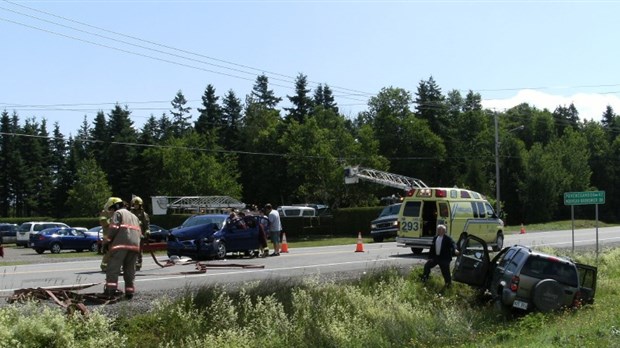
point(584, 198)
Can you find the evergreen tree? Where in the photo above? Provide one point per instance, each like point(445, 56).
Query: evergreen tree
point(81, 146)
point(149, 135)
point(262, 95)
point(27, 195)
point(430, 106)
point(149, 162)
point(210, 118)
point(165, 128)
point(323, 96)
point(45, 189)
point(120, 159)
point(100, 136)
point(58, 165)
point(302, 103)
point(180, 115)
point(473, 102)
point(232, 120)
point(611, 123)
point(10, 163)
point(608, 117)
point(565, 117)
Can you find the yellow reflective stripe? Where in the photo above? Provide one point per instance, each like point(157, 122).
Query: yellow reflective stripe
point(126, 247)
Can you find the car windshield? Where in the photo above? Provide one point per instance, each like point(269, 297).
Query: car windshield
point(390, 210)
point(543, 267)
point(203, 220)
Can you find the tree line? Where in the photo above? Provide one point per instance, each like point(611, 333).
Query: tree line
point(253, 151)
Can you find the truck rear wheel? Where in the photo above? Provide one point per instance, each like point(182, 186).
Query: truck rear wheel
point(499, 242)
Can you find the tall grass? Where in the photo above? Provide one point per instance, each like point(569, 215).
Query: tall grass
point(385, 308)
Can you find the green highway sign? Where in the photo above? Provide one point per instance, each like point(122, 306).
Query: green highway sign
point(584, 198)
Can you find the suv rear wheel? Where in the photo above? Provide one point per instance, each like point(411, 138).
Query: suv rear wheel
point(547, 293)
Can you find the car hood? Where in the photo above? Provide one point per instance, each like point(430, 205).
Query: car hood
point(194, 232)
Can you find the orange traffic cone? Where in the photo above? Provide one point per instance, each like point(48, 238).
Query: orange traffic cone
point(522, 229)
point(284, 245)
point(360, 246)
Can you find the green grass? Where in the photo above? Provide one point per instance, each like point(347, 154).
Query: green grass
point(385, 308)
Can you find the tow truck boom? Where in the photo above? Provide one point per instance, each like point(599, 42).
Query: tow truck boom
point(352, 175)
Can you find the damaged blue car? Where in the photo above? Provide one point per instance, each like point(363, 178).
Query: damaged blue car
point(218, 236)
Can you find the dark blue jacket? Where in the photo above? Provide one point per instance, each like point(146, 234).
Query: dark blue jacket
point(447, 249)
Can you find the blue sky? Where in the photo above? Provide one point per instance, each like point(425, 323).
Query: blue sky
point(546, 53)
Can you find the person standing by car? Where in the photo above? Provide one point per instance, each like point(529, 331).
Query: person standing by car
point(137, 209)
point(124, 238)
point(104, 222)
point(275, 228)
point(442, 250)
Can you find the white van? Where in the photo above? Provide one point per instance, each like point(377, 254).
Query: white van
point(296, 211)
point(463, 212)
point(23, 234)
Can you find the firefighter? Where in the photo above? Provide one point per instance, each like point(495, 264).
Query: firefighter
point(137, 209)
point(124, 247)
point(104, 221)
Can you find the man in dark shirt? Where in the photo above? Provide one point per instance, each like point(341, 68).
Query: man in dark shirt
point(442, 250)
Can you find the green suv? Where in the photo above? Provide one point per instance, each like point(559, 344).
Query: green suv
point(521, 278)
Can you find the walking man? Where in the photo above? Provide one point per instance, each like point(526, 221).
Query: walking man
point(442, 250)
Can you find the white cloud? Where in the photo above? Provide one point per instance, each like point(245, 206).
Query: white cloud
point(590, 105)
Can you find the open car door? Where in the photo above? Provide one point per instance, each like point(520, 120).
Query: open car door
point(587, 279)
point(472, 265)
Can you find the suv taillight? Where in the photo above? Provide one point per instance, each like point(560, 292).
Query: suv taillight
point(514, 283)
point(577, 299)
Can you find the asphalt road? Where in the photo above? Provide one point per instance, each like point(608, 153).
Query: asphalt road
point(317, 262)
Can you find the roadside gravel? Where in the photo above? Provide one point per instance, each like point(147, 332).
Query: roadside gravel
point(141, 302)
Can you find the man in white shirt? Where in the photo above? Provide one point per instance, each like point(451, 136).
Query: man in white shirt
point(275, 228)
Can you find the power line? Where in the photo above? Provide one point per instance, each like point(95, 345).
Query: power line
point(288, 78)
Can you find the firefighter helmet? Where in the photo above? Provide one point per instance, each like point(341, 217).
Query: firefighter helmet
point(111, 202)
point(136, 200)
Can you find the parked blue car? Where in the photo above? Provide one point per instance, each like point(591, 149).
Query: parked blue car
point(217, 238)
point(56, 239)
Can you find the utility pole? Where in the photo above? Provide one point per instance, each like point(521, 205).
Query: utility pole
point(498, 203)
point(497, 196)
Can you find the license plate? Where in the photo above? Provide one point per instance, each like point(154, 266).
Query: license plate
point(519, 304)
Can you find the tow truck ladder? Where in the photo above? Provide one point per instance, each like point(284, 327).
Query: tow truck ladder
point(352, 175)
